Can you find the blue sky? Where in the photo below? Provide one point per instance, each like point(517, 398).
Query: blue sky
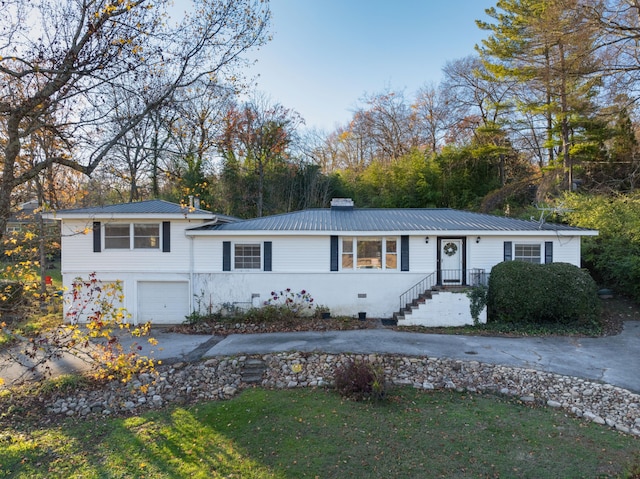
point(326, 54)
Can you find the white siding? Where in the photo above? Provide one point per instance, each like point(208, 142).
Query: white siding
point(289, 253)
point(78, 255)
point(127, 266)
point(302, 263)
point(423, 255)
point(490, 250)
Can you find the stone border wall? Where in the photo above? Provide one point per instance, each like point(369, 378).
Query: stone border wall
point(222, 378)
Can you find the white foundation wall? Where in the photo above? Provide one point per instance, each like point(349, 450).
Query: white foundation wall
point(444, 309)
point(345, 294)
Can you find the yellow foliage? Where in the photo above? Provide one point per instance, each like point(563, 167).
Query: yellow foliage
point(98, 303)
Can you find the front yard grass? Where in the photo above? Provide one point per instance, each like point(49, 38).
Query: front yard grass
point(315, 433)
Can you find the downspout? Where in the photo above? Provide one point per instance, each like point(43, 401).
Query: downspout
point(191, 266)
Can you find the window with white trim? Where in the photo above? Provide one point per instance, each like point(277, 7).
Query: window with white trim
point(391, 255)
point(146, 235)
point(530, 253)
point(369, 253)
point(246, 256)
point(132, 236)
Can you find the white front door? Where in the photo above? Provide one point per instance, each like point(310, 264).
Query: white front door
point(451, 252)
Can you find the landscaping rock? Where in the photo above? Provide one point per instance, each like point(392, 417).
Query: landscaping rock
point(223, 378)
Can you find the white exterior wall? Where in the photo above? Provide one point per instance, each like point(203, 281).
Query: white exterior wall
point(490, 250)
point(129, 283)
point(78, 255)
point(304, 254)
point(303, 262)
point(125, 265)
point(422, 255)
point(298, 262)
point(290, 253)
point(339, 291)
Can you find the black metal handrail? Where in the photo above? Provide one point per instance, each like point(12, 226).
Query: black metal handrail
point(416, 290)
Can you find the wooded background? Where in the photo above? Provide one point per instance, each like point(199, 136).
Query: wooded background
point(117, 103)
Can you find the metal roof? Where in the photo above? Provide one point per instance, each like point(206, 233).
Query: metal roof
point(360, 220)
point(150, 207)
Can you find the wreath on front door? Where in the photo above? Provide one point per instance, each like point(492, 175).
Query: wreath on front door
point(450, 249)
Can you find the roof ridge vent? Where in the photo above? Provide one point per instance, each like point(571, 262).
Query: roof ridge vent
point(341, 204)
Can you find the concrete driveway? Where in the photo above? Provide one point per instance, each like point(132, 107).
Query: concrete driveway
point(612, 359)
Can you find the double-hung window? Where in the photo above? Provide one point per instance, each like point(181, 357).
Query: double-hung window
point(117, 236)
point(146, 236)
point(369, 253)
point(530, 253)
point(132, 236)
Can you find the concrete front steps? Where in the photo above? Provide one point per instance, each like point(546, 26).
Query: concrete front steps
point(439, 308)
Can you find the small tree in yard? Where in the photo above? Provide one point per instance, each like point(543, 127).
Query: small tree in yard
point(96, 304)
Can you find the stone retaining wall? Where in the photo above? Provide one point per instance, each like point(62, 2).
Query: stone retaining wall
point(223, 378)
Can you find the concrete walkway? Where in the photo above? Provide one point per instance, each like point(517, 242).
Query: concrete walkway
point(613, 359)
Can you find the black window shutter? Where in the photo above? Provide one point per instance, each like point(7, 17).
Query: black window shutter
point(508, 255)
point(334, 253)
point(166, 236)
point(267, 255)
point(97, 246)
point(548, 252)
point(226, 256)
point(404, 253)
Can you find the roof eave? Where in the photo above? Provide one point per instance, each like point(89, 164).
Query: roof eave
point(129, 216)
point(471, 232)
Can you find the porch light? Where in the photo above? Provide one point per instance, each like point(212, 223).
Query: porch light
point(478, 239)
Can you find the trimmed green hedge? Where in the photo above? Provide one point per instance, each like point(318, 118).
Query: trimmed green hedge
point(541, 293)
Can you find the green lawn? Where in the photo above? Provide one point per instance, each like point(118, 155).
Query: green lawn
point(315, 433)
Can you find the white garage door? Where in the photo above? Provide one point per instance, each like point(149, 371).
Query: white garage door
point(163, 302)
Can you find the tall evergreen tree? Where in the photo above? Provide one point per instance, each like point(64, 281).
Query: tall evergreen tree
point(549, 46)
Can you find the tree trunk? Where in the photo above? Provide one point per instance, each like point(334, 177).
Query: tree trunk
point(260, 199)
point(564, 125)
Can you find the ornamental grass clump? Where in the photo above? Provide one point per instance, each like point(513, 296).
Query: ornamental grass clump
point(359, 380)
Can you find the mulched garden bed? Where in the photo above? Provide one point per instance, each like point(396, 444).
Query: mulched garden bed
point(226, 327)
point(614, 312)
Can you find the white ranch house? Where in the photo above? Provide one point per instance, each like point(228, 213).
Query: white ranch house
point(173, 260)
